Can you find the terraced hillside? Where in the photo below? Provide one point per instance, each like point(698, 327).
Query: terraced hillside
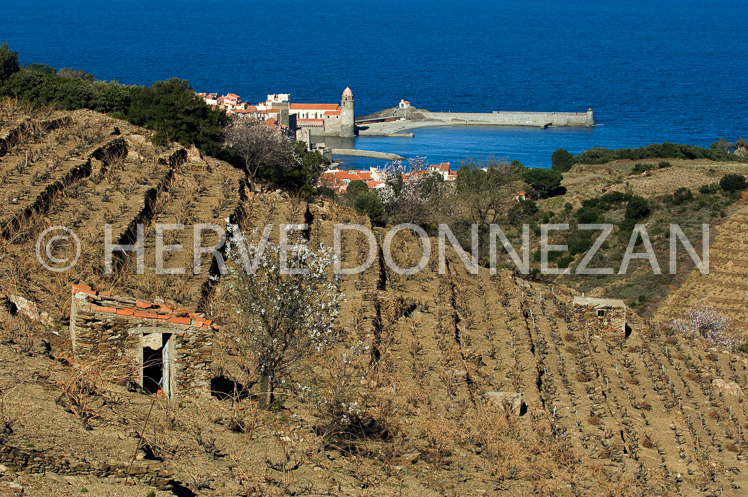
point(726, 285)
point(89, 171)
point(421, 364)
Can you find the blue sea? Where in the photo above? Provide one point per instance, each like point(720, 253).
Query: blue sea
point(653, 71)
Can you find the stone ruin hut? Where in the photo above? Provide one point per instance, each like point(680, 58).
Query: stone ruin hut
point(149, 346)
point(604, 317)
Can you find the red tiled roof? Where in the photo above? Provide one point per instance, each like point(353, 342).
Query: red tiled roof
point(232, 95)
point(443, 167)
point(332, 113)
point(145, 310)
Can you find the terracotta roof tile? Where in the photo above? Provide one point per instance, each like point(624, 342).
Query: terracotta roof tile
point(179, 320)
point(98, 308)
point(135, 309)
point(143, 314)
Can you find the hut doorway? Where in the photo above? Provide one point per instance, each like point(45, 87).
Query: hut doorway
point(156, 362)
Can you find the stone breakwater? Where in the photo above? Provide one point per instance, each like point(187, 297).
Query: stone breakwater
point(387, 126)
point(500, 118)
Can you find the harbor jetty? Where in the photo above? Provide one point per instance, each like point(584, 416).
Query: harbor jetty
point(366, 153)
point(386, 123)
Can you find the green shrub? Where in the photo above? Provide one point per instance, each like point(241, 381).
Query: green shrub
point(42, 68)
point(9, 64)
point(666, 150)
point(663, 164)
point(170, 108)
point(369, 203)
point(588, 215)
point(709, 189)
point(579, 241)
point(546, 182)
point(326, 192)
point(564, 261)
point(607, 201)
point(354, 189)
point(521, 211)
point(637, 209)
point(682, 195)
point(562, 160)
point(732, 183)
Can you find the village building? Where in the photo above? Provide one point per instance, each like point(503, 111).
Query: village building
point(326, 119)
point(445, 170)
point(603, 317)
point(404, 104)
point(153, 347)
point(338, 179)
point(321, 119)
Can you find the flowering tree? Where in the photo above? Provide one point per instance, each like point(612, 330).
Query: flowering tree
point(260, 147)
point(284, 316)
point(705, 321)
point(407, 188)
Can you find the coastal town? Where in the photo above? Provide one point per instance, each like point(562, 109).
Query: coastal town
point(298, 119)
point(306, 120)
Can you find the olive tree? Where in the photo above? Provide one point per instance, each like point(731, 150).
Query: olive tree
point(287, 299)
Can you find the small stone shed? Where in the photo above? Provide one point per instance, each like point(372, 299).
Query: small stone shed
point(604, 317)
point(153, 346)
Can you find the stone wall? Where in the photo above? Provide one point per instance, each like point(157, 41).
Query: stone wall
point(151, 473)
point(108, 331)
point(603, 317)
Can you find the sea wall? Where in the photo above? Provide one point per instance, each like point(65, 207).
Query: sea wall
point(501, 118)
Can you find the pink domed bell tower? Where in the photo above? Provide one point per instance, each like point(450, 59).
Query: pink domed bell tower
point(347, 127)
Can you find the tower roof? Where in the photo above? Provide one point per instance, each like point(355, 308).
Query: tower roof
point(347, 92)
